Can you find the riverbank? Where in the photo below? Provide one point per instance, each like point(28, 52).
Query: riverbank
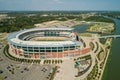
point(112, 71)
point(108, 45)
point(102, 27)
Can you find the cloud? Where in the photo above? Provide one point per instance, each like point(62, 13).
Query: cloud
point(57, 1)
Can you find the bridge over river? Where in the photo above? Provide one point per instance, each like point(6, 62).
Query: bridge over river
point(109, 36)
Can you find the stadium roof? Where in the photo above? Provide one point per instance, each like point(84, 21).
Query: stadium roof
point(13, 38)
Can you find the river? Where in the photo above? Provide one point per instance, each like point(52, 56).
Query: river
point(112, 71)
point(113, 68)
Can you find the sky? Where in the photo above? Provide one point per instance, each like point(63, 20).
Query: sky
point(47, 5)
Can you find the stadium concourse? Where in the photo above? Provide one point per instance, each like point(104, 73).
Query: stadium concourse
point(43, 43)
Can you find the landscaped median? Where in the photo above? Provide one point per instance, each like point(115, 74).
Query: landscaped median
point(53, 73)
point(1, 78)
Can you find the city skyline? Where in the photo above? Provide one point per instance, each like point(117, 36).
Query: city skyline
point(48, 5)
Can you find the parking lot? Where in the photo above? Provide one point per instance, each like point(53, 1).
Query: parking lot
point(12, 70)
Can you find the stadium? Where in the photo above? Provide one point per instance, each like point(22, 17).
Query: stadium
point(42, 43)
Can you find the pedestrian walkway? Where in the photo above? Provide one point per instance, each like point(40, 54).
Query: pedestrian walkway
point(67, 71)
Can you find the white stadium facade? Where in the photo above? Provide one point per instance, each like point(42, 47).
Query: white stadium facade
point(43, 43)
